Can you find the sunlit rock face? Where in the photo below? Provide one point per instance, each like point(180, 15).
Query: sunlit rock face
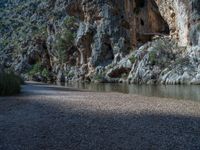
point(183, 19)
point(109, 27)
point(195, 22)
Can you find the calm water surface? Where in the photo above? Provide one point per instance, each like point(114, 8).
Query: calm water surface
point(187, 92)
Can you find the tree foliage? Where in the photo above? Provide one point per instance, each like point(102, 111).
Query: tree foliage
point(64, 41)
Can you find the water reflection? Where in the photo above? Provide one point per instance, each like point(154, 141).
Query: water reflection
point(188, 92)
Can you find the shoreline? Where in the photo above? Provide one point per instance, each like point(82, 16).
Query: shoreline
point(178, 92)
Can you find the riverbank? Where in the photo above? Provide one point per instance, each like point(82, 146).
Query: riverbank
point(179, 92)
point(52, 117)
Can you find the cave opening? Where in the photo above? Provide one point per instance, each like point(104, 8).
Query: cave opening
point(150, 23)
point(141, 22)
point(140, 3)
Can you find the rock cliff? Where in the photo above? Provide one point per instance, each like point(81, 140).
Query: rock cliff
point(183, 19)
point(135, 41)
point(109, 27)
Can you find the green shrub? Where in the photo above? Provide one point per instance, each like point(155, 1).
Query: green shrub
point(37, 68)
point(132, 59)
point(153, 57)
point(69, 22)
point(165, 45)
point(63, 42)
point(124, 75)
point(9, 84)
point(99, 77)
point(71, 74)
point(45, 73)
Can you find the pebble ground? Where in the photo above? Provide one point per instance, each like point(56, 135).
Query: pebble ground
point(45, 117)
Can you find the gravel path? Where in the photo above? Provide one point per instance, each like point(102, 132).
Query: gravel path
point(44, 117)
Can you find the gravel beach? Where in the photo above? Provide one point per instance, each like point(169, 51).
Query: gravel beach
point(47, 117)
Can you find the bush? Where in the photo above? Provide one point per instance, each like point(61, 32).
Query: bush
point(165, 45)
point(37, 68)
point(69, 22)
point(153, 57)
point(99, 77)
point(124, 75)
point(45, 73)
point(63, 42)
point(132, 59)
point(9, 84)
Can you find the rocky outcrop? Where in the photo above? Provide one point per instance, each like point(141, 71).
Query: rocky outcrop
point(183, 19)
point(111, 27)
point(150, 60)
point(158, 62)
point(111, 40)
point(185, 70)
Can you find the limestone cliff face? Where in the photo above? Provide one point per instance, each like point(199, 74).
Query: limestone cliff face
point(109, 27)
point(183, 19)
point(144, 20)
point(106, 32)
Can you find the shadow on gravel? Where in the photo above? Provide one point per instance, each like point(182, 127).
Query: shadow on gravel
point(45, 126)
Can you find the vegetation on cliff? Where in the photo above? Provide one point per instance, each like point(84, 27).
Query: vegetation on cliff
point(54, 39)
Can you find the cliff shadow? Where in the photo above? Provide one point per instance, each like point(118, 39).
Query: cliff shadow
point(34, 124)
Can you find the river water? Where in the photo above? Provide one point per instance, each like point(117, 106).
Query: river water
point(187, 92)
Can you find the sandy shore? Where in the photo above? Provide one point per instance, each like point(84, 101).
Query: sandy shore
point(47, 117)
